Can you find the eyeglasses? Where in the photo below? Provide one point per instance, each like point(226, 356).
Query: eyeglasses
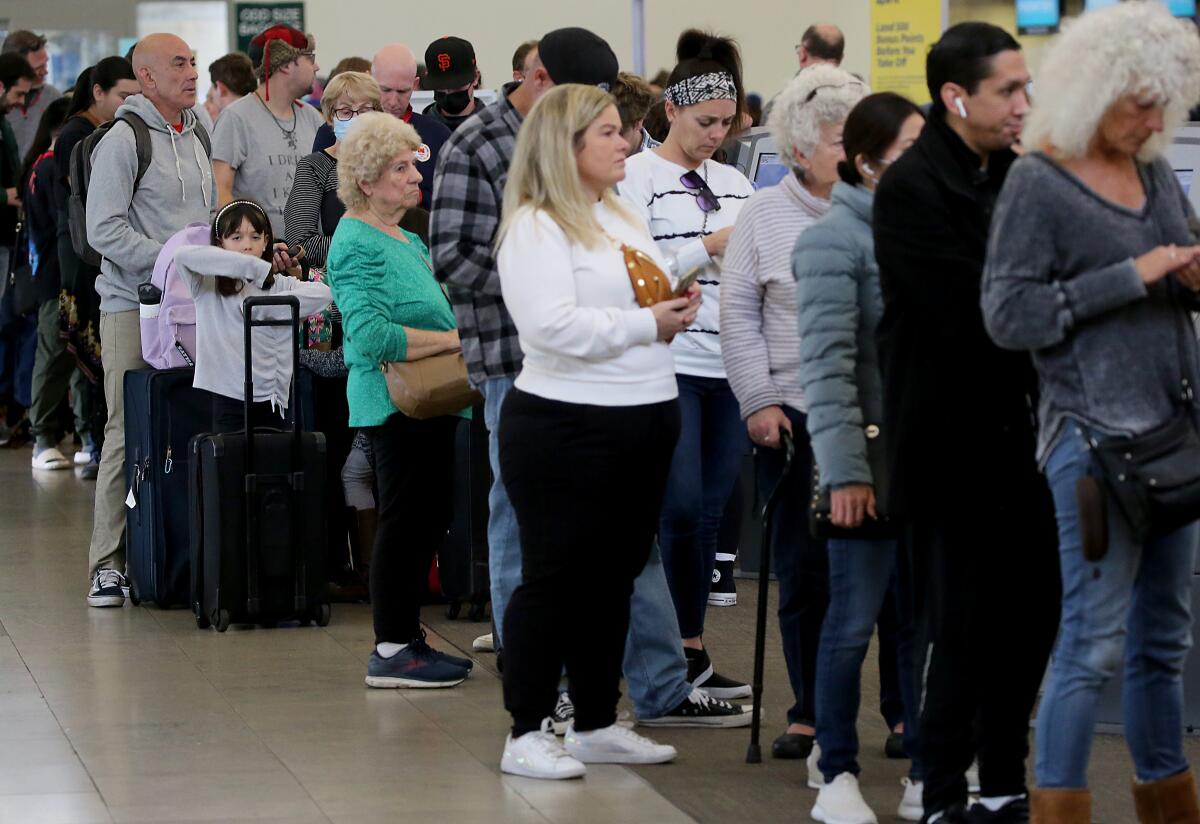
point(813, 93)
point(705, 199)
point(347, 113)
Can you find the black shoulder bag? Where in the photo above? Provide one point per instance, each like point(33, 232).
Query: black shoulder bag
point(820, 522)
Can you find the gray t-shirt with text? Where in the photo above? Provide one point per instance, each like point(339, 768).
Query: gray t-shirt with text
point(264, 150)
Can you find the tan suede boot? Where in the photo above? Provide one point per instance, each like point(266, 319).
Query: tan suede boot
point(1169, 801)
point(1060, 807)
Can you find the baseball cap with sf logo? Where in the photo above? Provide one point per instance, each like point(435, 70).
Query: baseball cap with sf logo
point(450, 63)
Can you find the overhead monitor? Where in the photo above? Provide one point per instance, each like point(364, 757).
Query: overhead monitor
point(769, 169)
point(1182, 8)
point(1038, 16)
point(1092, 5)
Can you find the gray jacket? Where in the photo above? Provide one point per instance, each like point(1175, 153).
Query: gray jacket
point(1060, 281)
point(840, 304)
point(129, 228)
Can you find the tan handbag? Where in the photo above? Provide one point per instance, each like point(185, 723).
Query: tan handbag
point(430, 387)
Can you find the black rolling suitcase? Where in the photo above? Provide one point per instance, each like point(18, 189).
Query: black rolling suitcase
point(162, 413)
point(463, 559)
point(258, 514)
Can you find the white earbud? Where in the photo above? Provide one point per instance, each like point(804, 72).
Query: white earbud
point(867, 168)
point(962, 110)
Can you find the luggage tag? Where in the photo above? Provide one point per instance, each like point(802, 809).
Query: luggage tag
point(131, 499)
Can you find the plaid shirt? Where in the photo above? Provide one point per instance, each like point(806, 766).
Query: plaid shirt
point(468, 188)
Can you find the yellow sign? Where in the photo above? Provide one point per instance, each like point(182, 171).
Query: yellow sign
point(901, 33)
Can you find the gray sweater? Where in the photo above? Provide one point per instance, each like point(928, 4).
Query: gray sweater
point(840, 304)
point(1060, 281)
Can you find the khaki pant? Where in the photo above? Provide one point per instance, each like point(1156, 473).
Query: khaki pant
point(53, 369)
point(121, 350)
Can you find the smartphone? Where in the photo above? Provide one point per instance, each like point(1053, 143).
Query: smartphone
point(296, 252)
point(686, 282)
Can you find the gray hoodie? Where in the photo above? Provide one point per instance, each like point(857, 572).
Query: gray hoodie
point(129, 228)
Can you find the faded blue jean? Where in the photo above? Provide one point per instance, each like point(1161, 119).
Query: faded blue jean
point(1131, 607)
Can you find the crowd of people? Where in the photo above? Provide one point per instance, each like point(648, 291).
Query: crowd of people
point(932, 333)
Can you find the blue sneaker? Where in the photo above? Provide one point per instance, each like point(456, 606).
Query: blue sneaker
point(462, 663)
point(417, 666)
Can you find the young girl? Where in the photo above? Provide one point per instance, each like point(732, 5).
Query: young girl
point(240, 264)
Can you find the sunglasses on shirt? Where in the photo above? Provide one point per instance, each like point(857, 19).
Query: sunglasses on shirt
point(705, 199)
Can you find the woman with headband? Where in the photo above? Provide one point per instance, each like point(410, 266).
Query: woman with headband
point(690, 203)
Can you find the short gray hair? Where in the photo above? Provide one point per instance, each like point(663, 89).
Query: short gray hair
point(821, 95)
point(1131, 48)
point(374, 140)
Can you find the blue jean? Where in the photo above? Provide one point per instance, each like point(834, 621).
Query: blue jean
point(1132, 605)
point(860, 574)
point(703, 470)
point(801, 566)
point(654, 665)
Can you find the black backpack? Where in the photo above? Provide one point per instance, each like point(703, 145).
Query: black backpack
point(80, 175)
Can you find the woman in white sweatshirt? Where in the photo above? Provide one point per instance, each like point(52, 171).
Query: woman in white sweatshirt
point(690, 203)
point(239, 264)
point(586, 434)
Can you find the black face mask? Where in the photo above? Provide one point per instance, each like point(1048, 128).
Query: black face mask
point(452, 103)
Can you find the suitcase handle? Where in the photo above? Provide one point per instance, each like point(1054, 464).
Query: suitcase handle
point(253, 601)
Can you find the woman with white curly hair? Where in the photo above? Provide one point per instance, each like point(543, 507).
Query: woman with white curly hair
point(1093, 268)
point(760, 347)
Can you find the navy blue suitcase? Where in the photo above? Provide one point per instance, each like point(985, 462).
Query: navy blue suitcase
point(463, 559)
point(162, 413)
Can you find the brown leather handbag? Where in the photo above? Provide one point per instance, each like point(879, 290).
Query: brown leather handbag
point(650, 283)
point(430, 387)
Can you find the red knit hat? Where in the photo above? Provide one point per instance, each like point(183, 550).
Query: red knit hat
point(279, 45)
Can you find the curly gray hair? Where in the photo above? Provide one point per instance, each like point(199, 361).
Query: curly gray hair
point(821, 95)
point(374, 140)
point(1131, 48)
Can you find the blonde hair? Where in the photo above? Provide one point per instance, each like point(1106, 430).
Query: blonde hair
point(357, 86)
point(1131, 48)
point(366, 151)
point(544, 174)
point(821, 95)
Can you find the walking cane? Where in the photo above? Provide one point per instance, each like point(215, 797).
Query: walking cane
point(754, 753)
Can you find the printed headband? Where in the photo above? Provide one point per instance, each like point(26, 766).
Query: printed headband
point(232, 203)
point(702, 87)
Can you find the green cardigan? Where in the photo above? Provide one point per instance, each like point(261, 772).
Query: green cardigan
point(381, 285)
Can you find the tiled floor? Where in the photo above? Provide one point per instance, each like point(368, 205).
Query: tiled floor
point(135, 715)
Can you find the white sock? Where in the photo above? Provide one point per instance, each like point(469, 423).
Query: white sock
point(388, 649)
point(936, 817)
point(997, 803)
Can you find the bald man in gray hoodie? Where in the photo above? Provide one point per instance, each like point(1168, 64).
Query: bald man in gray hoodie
point(128, 225)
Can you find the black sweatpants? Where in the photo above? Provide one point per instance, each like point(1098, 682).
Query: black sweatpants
point(989, 609)
point(414, 476)
point(587, 485)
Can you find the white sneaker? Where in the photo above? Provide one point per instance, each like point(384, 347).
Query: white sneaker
point(841, 802)
point(83, 457)
point(615, 745)
point(911, 808)
point(484, 643)
point(815, 780)
point(539, 755)
point(50, 458)
point(973, 777)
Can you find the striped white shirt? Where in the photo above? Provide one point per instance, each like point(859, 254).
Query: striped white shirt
point(761, 339)
point(653, 189)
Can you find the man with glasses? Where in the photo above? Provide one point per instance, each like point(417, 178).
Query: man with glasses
point(820, 43)
point(260, 138)
point(395, 70)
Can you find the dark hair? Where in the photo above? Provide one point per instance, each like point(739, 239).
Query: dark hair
point(350, 64)
point(656, 123)
point(229, 220)
point(129, 53)
point(872, 126)
point(52, 120)
point(634, 98)
point(964, 56)
point(521, 53)
point(81, 96)
point(235, 71)
point(703, 53)
point(14, 67)
point(22, 42)
point(832, 49)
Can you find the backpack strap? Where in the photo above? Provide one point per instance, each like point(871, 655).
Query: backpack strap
point(141, 141)
point(205, 140)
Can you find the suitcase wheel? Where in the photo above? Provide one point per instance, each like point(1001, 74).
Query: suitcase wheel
point(133, 595)
point(477, 612)
point(322, 615)
point(222, 620)
point(453, 610)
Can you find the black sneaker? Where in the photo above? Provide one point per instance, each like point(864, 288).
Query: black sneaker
point(724, 591)
point(702, 710)
point(108, 589)
point(1014, 812)
point(416, 666)
point(701, 674)
point(564, 714)
point(955, 815)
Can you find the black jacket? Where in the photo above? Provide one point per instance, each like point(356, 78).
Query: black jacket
point(957, 408)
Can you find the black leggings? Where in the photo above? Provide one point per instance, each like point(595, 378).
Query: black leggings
point(414, 475)
point(586, 483)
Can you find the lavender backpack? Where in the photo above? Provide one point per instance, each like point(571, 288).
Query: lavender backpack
point(168, 314)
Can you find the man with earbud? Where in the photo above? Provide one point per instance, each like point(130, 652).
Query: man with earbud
point(958, 411)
